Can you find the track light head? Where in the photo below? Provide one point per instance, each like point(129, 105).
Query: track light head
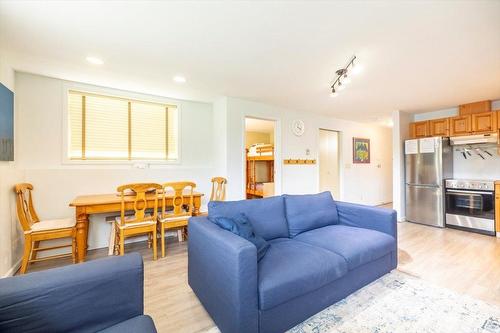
point(344, 76)
point(346, 79)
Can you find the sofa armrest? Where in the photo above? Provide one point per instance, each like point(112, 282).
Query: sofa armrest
point(86, 297)
point(368, 217)
point(222, 271)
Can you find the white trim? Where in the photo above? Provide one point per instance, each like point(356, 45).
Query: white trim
point(278, 190)
point(67, 86)
point(13, 269)
point(340, 152)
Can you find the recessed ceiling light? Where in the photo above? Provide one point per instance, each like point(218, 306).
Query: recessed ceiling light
point(95, 61)
point(179, 79)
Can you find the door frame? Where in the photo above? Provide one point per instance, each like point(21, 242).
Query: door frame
point(277, 154)
point(340, 159)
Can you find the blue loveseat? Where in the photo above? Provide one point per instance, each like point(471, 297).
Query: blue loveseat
point(104, 295)
point(320, 252)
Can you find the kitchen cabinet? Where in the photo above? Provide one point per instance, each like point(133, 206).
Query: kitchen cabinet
point(473, 118)
point(497, 205)
point(440, 127)
point(420, 129)
point(476, 107)
point(460, 125)
point(485, 122)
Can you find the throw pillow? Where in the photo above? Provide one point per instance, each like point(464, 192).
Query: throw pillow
point(239, 225)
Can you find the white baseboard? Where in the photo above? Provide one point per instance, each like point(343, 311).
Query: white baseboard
point(13, 269)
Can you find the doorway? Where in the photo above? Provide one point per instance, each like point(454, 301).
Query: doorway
point(329, 162)
point(260, 157)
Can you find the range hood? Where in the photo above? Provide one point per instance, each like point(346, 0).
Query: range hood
point(474, 139)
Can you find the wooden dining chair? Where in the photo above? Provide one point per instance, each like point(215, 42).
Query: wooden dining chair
point(140, 222)
point(218, 189)
point(36, 231)
point(182, 209)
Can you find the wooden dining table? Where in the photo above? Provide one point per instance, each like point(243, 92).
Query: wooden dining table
point(86, 205)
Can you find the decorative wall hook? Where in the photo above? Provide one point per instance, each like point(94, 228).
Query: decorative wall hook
point(299, 161)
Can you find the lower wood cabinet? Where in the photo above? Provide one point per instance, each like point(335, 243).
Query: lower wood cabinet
point(497, 205)
point(460, 125)
point(485, 122)
point(440, 127)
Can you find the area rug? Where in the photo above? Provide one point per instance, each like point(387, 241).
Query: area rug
point(399, 302)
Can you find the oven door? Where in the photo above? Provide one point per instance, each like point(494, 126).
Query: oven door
point(471, 203)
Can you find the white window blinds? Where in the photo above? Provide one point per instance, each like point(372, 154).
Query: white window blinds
point(112, 128)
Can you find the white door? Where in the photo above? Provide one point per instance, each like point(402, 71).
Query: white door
point(329, 162)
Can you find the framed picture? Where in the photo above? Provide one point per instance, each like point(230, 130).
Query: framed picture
point(6, 124)
point(360, 150)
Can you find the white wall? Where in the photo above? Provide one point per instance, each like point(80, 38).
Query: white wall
point(10, 232)
point(40, 153)
point(443, 113)
point(329, 162)
point(220, 136)
point(367, 184)
point(212, 143)
point(401, 132)
point(475, 167)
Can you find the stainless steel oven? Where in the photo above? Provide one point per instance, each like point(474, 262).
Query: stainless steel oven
point(470, 205)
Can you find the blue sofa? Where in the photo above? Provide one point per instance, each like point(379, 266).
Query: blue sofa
point(320, 252)
point(104, 295)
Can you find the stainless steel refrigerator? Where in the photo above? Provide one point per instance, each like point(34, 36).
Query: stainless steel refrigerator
point(428, 162)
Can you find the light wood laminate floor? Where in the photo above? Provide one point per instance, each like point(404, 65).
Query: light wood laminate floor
point(462, 261)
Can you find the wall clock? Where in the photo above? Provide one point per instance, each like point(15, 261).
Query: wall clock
point(298, 127)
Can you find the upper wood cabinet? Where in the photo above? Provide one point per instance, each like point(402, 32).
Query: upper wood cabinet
point(476, 107)
point(420, 129)
point(485, 122)
point(439, 127)
point(460, 125)
point(473, 118)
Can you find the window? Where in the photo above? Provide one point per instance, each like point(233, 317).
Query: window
point(113, 128)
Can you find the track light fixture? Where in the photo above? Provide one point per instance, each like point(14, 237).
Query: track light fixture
point(343, 76)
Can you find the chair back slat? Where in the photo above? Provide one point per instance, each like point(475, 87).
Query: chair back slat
point(182, 192)
point(218, 189)
point(26, 213)
point(141, 193)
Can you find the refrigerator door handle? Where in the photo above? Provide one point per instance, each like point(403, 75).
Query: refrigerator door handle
point(423, 185)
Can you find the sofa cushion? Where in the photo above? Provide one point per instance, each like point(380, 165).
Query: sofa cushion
point(239, 225)
point(267, 215)
point(310, 211)
point(292, 268)
point(357, 245)
point(136, 324)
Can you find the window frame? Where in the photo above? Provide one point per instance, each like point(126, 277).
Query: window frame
point(116, 93)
